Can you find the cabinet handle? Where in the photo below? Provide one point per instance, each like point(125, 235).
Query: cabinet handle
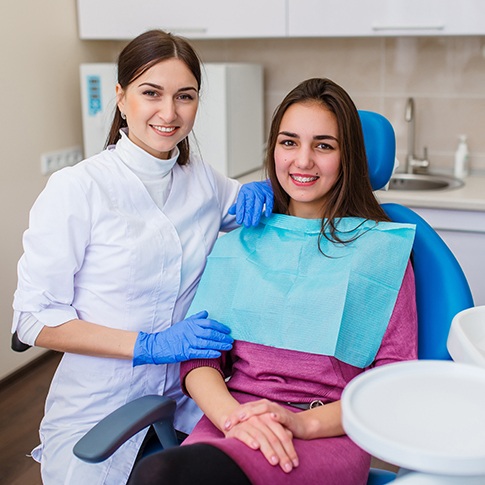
point(407, 27)
point(460, 230)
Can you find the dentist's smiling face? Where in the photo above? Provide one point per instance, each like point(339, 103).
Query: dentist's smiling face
point(307, 157)
point(160, 106)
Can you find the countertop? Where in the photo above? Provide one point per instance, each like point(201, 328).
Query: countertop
point(470, 197)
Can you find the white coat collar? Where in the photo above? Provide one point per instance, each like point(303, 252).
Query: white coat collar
point(143, 164)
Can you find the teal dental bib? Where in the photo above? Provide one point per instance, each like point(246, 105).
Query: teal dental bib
point(272, 286)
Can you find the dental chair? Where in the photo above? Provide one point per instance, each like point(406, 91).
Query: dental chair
point(441, 287)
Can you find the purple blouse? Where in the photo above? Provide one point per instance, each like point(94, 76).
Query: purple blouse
point(280, 375)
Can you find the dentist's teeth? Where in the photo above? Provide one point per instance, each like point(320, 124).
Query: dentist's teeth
point(164, 129)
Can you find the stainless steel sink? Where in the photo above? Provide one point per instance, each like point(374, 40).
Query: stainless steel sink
point(410, 181)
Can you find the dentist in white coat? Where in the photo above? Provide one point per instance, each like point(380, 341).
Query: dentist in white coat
point(113, 255)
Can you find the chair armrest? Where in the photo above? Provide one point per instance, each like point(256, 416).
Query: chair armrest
point(380, 477)
point(17, 345)
point(101, 441)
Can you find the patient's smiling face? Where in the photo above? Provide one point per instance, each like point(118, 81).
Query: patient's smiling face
point(307, 157)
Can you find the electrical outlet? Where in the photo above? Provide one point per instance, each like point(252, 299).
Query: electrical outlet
point(50, 162)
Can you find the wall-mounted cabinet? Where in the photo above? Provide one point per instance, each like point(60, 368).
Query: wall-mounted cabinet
point(208, 19)
point(350, 18)
point(220, 19)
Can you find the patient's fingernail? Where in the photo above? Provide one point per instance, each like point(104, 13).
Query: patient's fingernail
point(227, 424)
point(287, 467)
point(295, 463)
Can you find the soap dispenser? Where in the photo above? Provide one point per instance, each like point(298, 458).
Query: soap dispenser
point(461, 158)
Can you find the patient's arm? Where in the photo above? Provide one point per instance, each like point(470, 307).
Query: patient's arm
point(208, 389)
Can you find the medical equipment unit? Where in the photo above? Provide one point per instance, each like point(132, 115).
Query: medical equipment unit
point(442, 292)
point(427, 416)
point(230, 113)
point(466, 340)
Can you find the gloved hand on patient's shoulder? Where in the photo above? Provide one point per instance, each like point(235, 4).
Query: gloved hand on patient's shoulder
point(196, 337)
point(251, 199)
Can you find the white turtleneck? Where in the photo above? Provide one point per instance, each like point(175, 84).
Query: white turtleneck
point(155, 173)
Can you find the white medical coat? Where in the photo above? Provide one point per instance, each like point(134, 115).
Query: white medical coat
point(99, 249)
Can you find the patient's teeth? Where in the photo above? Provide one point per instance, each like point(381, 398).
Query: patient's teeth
point(303, 179)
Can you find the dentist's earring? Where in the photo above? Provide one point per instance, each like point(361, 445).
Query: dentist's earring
point(123, 116)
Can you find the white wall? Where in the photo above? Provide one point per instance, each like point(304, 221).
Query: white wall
point(40, 112)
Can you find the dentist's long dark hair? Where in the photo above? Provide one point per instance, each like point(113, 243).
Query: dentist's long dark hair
point(141, 54)
point(351, 195)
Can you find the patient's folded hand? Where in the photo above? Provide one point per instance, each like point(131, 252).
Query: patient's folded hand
point(249, 409)
point(257, 425)
point(262, 432)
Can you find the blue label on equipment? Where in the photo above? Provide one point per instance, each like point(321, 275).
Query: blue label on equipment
point(94, 95)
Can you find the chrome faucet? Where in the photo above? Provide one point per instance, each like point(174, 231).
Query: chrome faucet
point(413, 163)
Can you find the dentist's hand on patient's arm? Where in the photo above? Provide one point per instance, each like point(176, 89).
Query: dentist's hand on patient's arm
point(251, 199)
point(208, 389)
point(196, 337)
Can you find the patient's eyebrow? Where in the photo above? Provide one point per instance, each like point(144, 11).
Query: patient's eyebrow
point(325, 137)
point(316, 137)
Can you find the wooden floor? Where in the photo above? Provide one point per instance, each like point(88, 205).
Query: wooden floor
point(22, 401)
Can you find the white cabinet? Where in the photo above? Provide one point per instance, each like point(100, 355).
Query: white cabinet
point(464, 233)
point(350, 18)
point(221, 19)
point(211, 19)
point(230, 114)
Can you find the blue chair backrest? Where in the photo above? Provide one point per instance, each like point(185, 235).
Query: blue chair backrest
point(380, 147)
point(441, 286)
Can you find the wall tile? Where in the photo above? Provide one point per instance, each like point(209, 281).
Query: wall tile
point(435, 65)
point(445, 76)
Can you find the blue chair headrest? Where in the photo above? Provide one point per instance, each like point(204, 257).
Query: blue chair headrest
point(380, 147)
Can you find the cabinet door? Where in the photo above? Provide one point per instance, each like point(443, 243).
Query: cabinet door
point(125, 19)
point(317, 18)
point(469, 250)
point(464, 233)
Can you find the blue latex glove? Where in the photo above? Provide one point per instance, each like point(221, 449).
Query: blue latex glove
point(196, 337)
point(250, 201)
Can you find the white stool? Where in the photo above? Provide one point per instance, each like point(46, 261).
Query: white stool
point(466, 340)
point(425, 416)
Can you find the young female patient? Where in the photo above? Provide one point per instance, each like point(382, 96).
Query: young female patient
point(315, 295)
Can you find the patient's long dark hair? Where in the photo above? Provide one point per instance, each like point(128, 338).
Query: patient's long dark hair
point(351, 195)
point(141, 54)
